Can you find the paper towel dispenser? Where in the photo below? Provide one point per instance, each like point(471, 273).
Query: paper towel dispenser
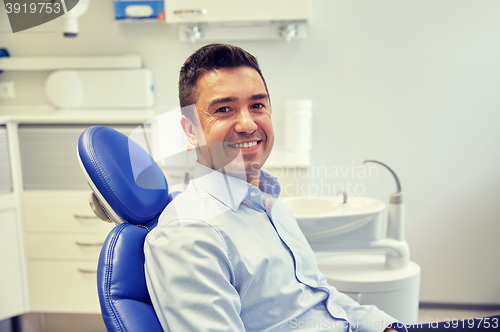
point(126, 10)
point(238, 20)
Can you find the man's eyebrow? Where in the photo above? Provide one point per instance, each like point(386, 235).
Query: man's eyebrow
point(259, 96)
point(222, 101)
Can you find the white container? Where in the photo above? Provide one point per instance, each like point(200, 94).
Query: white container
point(365, 278)
point(298, 125)
point(84, 89)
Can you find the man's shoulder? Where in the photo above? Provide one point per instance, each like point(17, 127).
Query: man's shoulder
point(190, 204)
point(186, 219)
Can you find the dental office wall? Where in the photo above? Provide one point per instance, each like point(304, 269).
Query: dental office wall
point(415, 84)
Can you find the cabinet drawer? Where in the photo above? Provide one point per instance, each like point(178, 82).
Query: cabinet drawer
point(61, 212)
point(50, 246)
point(65, 287)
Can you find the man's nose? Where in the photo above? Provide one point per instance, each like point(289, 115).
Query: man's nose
point(245, 123)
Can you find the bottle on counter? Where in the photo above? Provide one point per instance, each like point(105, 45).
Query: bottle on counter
point(298, 125)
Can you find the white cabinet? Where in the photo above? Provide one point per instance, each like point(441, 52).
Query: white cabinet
point(226, 20)
point(51, 262)
point(13, 300)
point(63, 237)
point(12, 288)
point(204, 11)
point(63, 241)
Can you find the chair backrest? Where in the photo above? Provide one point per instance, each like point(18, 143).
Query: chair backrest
point(122, 193)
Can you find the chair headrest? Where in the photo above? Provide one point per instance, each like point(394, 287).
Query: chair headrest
point(126, 180)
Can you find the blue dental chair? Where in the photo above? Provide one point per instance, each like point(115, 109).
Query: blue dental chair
point(122, 196)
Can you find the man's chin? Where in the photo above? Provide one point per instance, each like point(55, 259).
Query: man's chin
point(252, 167)
point(245, 172)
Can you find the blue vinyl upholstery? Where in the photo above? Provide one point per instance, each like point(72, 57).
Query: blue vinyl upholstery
point(106, 155)
point(106, 160)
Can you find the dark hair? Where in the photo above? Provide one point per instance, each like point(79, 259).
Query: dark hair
point(207, 58)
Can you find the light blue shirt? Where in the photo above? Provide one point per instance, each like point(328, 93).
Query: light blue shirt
point(228, 256)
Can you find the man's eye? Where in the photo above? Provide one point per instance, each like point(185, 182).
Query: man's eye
point(258, 105)
point(222, 110)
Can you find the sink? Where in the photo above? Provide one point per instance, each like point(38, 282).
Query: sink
point(328, 223)
point(357, 225)
point(314, 207)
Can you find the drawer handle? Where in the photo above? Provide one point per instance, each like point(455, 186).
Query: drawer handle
point(81, 216)
point(87, 271)
point(202, 11)
point(89, 244)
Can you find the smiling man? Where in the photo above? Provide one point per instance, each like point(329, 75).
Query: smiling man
point(227, 254)
point(231, 120)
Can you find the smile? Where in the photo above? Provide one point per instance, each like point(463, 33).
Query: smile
point(244, 145)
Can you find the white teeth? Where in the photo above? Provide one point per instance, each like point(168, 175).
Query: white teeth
point(243, 145)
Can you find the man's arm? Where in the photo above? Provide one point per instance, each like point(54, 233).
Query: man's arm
point(190, 279)
point(365, 318)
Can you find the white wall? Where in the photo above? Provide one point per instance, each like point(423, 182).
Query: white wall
point(414, 84)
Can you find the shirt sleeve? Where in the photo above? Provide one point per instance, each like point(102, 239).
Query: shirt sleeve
point(190, 279)
point(400, 327)
point(363, 318)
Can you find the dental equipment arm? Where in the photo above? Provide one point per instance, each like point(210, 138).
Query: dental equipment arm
point(71, 17)
point(395, 224)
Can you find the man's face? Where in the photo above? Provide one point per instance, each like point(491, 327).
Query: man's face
point(235, 115)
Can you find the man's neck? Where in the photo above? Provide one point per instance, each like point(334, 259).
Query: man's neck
point(253, 179)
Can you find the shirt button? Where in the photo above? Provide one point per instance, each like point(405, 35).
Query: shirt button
point(253, 193)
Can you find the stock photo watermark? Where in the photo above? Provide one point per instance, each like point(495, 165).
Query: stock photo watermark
point(322, 180)
point(166, 142)
point(448, 323)
point(26, 14)
point(313, 180)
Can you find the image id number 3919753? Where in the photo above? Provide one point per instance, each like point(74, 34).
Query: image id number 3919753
point(485, 323)
point(33, 8)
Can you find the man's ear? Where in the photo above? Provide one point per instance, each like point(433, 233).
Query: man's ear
point(190, 129)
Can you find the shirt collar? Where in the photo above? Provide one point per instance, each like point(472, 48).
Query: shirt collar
point(230, 190)
point(269, 184)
